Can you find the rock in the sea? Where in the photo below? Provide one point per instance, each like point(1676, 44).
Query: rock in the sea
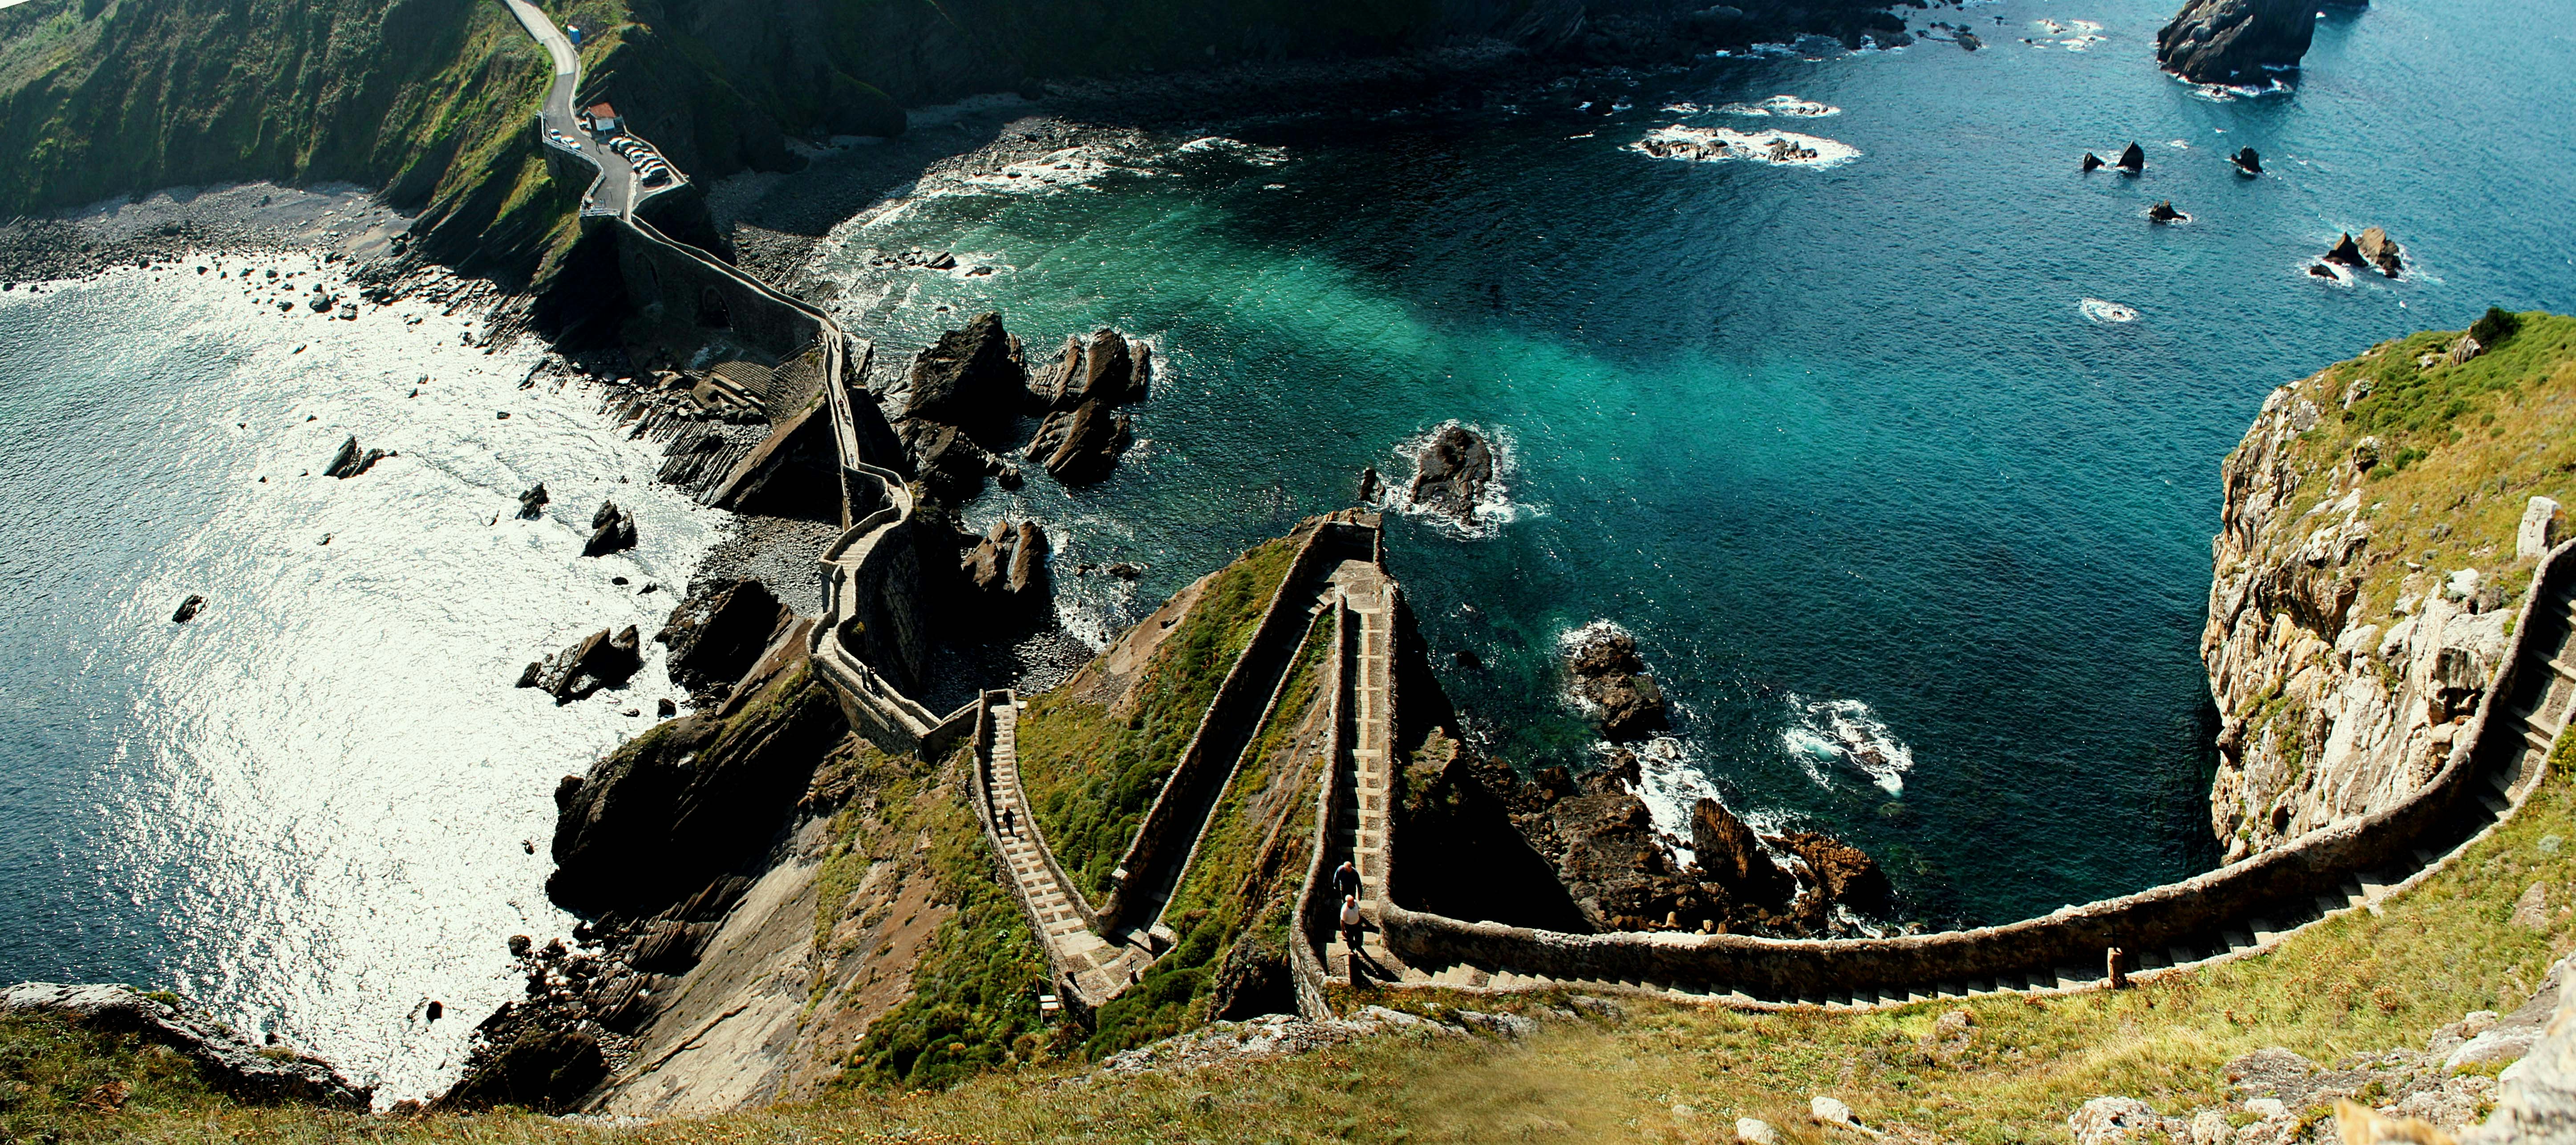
point(1368, 485)
point(532, 504)
point(2346, 252)
point(971, 377)
point(2092, 162)
point(1003, 575)
point(718, 632)
point(611, 530)
point(1608, 672)
point(601, 660)
point(2248, 161)
point(1728, 855)
point(2382, 251)
point(2134, 159)
point(226, 1059)
point(2164, 212)
point(1843, 873)
point(2236, 41)
point(1082, 445)
point(1452, 470)
point(2320, 270)
point(189, 608)
point(1107, 366)
point(951, 465)
point(349, 462)
point(1970, 42)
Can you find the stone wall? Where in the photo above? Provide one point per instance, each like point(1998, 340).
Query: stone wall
point(2195, 914)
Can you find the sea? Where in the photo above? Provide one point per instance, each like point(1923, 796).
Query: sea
point(1895, 446)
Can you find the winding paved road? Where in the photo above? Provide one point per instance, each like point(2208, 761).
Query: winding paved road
point(616, 193)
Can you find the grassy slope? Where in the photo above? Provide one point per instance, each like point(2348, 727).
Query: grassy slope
point(974, 1002)
point(2463, 446)
point(1228, 898)
point(1089, 774)
point(2356, 983)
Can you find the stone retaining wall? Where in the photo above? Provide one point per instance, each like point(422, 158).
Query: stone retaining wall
point(1314, 913)
point(2280, 883)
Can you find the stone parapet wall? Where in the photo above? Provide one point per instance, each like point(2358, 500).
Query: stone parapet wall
point(2285, 883)
point(1313, 914)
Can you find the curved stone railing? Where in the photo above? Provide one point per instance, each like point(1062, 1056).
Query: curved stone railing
point(2236, 910)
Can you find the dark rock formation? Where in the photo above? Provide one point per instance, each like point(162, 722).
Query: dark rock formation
point(1608, 672)
point(543, 1052)
point(2236, 41)
point(971, 378)
point(600, 660)
point(1452, 471)
point(951, 465)
point(1969, 41)
point(349, 462)
point(2092, 162)
point(2381, 250)
point(692, 798)
point(2133, 160)
point(611, 530)
point(2320, 270)
point(1002, 580)
point(1108, 366)
point(1082, 445)
point(2164, 212)
point(718, 632)
point(1842, 873)
point(227, 1060)
point(188, 609)
point(2346, 252)
point(532, 504)
point(1727, 854)
point(2248, 161)
point(1368, 485)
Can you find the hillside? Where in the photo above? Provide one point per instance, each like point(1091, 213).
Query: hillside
point(2369, 571)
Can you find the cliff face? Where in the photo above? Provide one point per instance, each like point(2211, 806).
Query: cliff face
point(2374, 551)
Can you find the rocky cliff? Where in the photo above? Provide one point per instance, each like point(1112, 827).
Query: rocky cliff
point(2381, 522)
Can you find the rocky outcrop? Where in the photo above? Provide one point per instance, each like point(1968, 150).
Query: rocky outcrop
point(952, 466)
point(2247, 161)
point(1003, 575)
point(1609, 675)
point(544, 1052)
point(227, 1060)
point(532, 504)
point(971, 378)
point(2133, 160)
point(1728, 854)
point(612, 530)
point(718, 632)
point(189, 608)
point(659, 817)
point(1451, 472)
point(350, 462)
point(1083, 434)
point(2381, 250)
point(2236, 41)
point(2164, 212)
point(599, 660)
point(2331, 705)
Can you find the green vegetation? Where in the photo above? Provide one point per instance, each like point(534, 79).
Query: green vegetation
point(1091, 770)
point(2460, 449)
point(975, 991)
point(1242, 886)
point(65, 1084)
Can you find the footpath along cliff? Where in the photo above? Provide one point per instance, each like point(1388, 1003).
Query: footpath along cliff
point(2382, 520)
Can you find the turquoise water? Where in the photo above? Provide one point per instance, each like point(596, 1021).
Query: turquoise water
point(1842, 445)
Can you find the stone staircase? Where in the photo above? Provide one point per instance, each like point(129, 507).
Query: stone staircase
point(1098, 968)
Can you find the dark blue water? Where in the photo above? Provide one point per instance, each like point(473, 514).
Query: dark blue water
point(1841, 444)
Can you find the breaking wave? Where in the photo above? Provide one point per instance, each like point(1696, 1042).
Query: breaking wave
point(1825, 733)
point(1788, 105)
point(2101, 310)
point(1718, 144)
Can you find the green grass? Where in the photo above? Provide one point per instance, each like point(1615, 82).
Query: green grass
point(974, 1005)
point(1091, 773)
point(1242, 886)
point(55, 1079)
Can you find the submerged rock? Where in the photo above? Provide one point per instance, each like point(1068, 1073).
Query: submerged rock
point(601, 660)
point(2236, 41)
point(227, 1060)
point(611, 530)
point(1452, 471)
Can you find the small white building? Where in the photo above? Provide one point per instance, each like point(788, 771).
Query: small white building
point(600, 118)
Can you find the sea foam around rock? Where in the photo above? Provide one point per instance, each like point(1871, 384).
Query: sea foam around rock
point(1719, 144)
point(1494, 508)
point(1826, 733)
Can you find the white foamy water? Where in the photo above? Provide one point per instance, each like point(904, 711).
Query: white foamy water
point(1719, 144)
point(1784, 105)
point(1824, 734)
point(321, 804)
point(1494, 508)
point(1254, 154)
point(2101, 310)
